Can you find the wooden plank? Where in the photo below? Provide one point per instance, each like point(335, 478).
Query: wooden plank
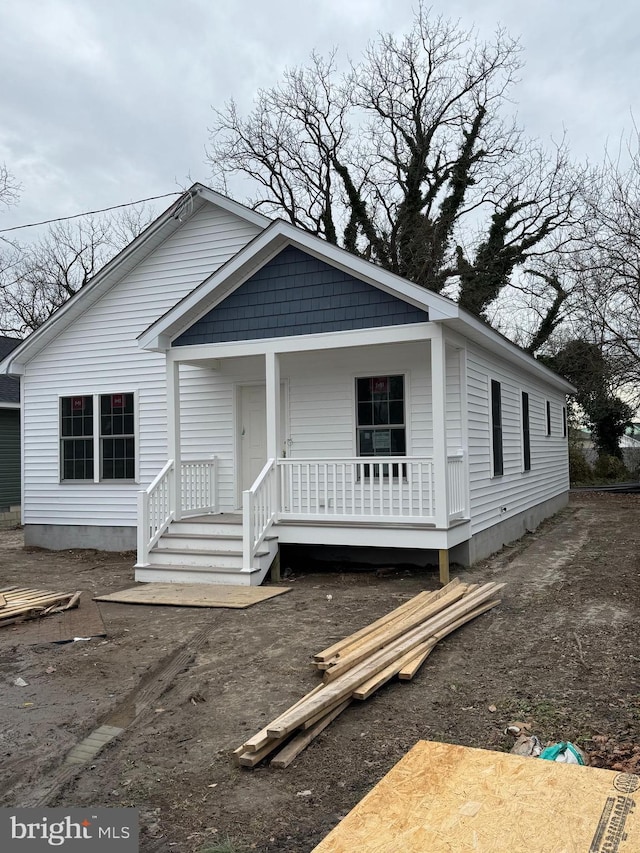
point(22, 603)
point(261, 738)
point(301, 741)
point(416, 601)
point(443, 797)
point(396, 624)
point(195, 595)
point(364, 690)
point(250, 759)
point(351, 679)
point(3, 600)
point(421, 652)
point(395, 630)
point(410, 667)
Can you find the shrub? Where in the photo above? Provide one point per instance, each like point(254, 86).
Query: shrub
point(610, 469)
point(580, 471)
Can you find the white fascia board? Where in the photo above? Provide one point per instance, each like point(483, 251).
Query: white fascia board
point(259, 252)
point(303, 343)
point(4, 405)
point(469, 327)
point(231, 206)
point(164, 225)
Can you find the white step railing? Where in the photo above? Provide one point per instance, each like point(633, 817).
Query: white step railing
point(156, 510)
point(158, 503)
point(259, 511)
point(358, 489)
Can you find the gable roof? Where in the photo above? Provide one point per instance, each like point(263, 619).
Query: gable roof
point(259, 252)
point(278, 236)
point(9, 388)
point(196, 197)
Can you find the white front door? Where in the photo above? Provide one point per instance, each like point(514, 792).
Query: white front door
point(253, 433)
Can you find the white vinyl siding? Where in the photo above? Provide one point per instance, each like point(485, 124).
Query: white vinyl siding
point(494, 499)
point(98, 352)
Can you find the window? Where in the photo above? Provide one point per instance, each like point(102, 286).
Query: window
point(76, 438)
point(117, 440)
point(564, 421)
point(86, 437)
point(380, 422)
point(496, 428)
point(548, 418)
point(526, 435)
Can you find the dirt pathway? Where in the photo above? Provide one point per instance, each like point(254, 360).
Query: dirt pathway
point(561, 651)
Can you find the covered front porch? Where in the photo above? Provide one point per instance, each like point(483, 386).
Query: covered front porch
point(305, 453)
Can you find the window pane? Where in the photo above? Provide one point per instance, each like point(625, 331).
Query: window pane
point(77, 416)
point(396, 412)
point(364, 390)
point(365, 442)
point(77, 459)
point(398, 443)
point(365, 414)
point(118, 458)
point(396, 387)
point(381, 413)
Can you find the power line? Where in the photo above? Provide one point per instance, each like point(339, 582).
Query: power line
point(87, 212)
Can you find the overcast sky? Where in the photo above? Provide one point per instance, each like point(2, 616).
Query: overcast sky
point(108, 101)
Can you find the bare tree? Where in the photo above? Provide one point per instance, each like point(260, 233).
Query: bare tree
point(52, 269)
point(609, 266)
point(408, 159)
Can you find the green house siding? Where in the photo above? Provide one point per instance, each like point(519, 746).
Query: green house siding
point(9, 457)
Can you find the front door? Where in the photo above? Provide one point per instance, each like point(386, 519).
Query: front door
point(253, 433)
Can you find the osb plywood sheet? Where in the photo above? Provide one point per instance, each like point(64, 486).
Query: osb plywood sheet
point(82, 621)
point(441, 797)
point(195, 595)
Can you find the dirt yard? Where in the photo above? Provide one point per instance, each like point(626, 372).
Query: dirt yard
point(561, 651)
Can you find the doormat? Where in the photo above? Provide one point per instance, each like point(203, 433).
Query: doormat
point(194, 594)
point(442, 797)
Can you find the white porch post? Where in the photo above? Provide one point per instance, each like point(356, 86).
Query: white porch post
point(272, 369)
point(272, 389)
point(439, 414)
point(173, 434)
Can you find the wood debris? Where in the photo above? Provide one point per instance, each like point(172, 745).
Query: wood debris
point(21, 603)
point(355, 667)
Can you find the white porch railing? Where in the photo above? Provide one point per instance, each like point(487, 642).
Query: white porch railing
point(358, 489)
point(456, 482)
point(259, 511)
point(158, 504)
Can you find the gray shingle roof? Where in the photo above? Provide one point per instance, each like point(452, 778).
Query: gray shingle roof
point(9, 388)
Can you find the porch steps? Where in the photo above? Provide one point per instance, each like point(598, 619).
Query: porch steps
point(206, 549)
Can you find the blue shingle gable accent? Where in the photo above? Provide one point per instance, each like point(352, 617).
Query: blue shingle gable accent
point(297, 294)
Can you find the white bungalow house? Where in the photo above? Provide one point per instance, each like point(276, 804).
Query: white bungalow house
point(228, 383)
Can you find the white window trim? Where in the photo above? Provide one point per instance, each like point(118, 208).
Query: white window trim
point(408, 412)
point(97, 460)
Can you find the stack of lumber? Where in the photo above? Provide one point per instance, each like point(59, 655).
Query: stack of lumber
point(354, 668)
point(19, 603)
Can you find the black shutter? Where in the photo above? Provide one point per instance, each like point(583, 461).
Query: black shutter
point(496, 427)
point(526, 437)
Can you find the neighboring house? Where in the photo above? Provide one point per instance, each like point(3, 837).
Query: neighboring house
point(228, 383)
point(9, 433)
